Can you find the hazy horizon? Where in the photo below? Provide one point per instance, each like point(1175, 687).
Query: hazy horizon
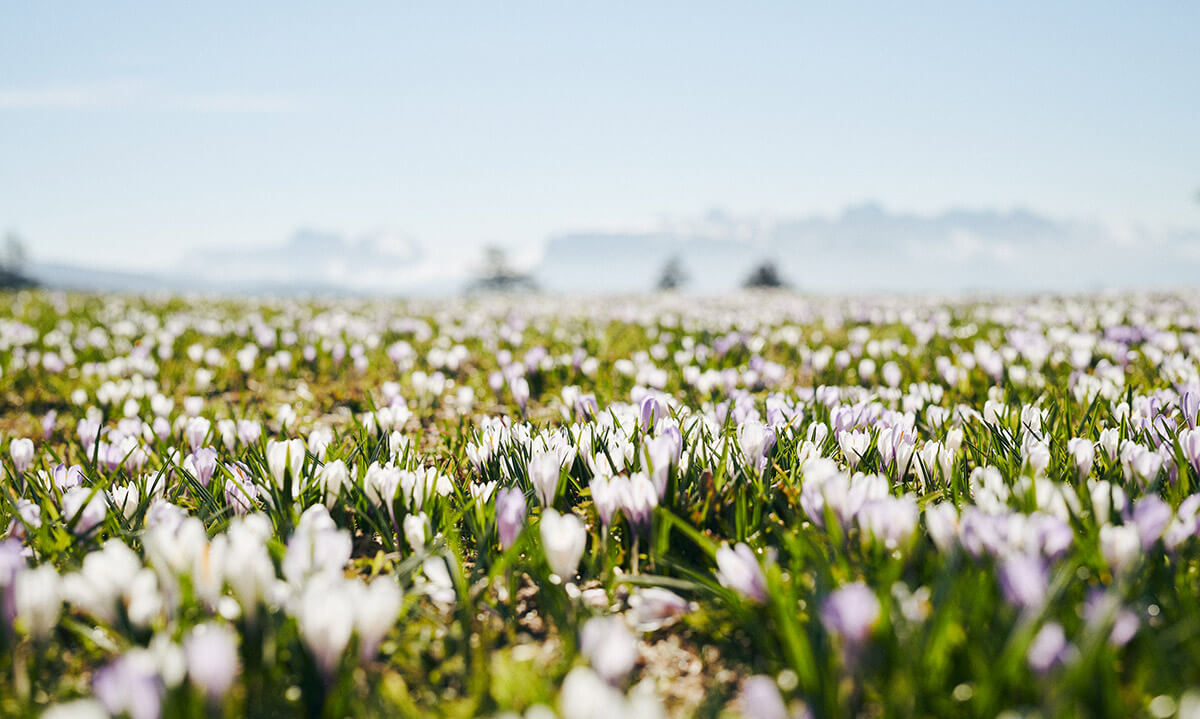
point(145, 139)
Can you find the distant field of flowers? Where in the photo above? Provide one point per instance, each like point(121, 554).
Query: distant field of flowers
point(760, 505)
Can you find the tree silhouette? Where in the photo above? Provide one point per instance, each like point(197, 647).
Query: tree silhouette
point(12, 264)
point(673, 274)
point(765, 275)
point(497, 275)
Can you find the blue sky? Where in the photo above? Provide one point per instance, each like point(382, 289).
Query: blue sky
point(133, 133)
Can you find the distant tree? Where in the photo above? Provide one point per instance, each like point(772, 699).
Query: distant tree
point(12, 264)
point(673, 274)
point(497, 275)
point(765, 275)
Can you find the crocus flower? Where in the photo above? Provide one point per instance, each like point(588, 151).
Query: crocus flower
point(325, 617)
point(639, 501)
point(609, 647)
point(241, 492)
point(49, 420)
point(283, 458)
point(66, 478)
point(1083, 454)
point(37, 599)
point(1023, 580)
point(416, 529)
point(738, 569)
point(83, 507)
point(212, 659)
point(332, 478)
point(854, 445)
point(375, 614)
point(201, 464)
point(195, 431)
point(21, 451)
point(851, 613)
point(1048, 649)
point(756, 441)
point(1151, 515)
point(544, 470)
point(563, 540)
point(759, 698)
point(130, 685)
point(586, 695)
point(510, 515)
point(1121, 546)
point(652, 608)
point(941, 521)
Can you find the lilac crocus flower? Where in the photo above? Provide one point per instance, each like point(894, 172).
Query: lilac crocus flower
point(129, 685)
point(1048, 649)
point(1101, 608)
point(66, 478)
point(212, 660)
point(639, 501)
point(652, 608)
point(241, 493)
point(1151, 515)
point(510, 515)
point(651, 413)
point(760, 699)
point(1023, 580)
point(738, 569)
point(49, 420)
point(201, 464)
point(851, 613)
point(1189, 404)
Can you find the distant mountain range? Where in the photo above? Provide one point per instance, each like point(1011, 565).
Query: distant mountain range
point(865, 248)
point(868, 248)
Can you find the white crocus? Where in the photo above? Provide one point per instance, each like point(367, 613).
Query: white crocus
point(563, 539)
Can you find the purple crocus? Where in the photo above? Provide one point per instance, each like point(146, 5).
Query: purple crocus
point(1189, 404)
point(760, 698)
point(851, 613)
point(129, 685)
point(49, 420)
point(510, 515)
point(1151, 515)
point(1048, 649)
point(66, 478)
point(651, 413)
point(738, 569)
point(201, 464)
point(1023, 580)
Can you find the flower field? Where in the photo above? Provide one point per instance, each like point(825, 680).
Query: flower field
point(761, 505)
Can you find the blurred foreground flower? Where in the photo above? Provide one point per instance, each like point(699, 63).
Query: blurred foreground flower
point(212, 659)
point(563, 540)
point(609, 647)
point(739, 570)
point(851, 613)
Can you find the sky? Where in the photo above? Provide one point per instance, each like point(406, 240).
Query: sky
point(134, 135)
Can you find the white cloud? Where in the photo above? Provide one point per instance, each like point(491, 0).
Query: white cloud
point(236, 103)
point(70, 97)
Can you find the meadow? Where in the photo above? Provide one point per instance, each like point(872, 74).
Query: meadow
point(762, 505)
